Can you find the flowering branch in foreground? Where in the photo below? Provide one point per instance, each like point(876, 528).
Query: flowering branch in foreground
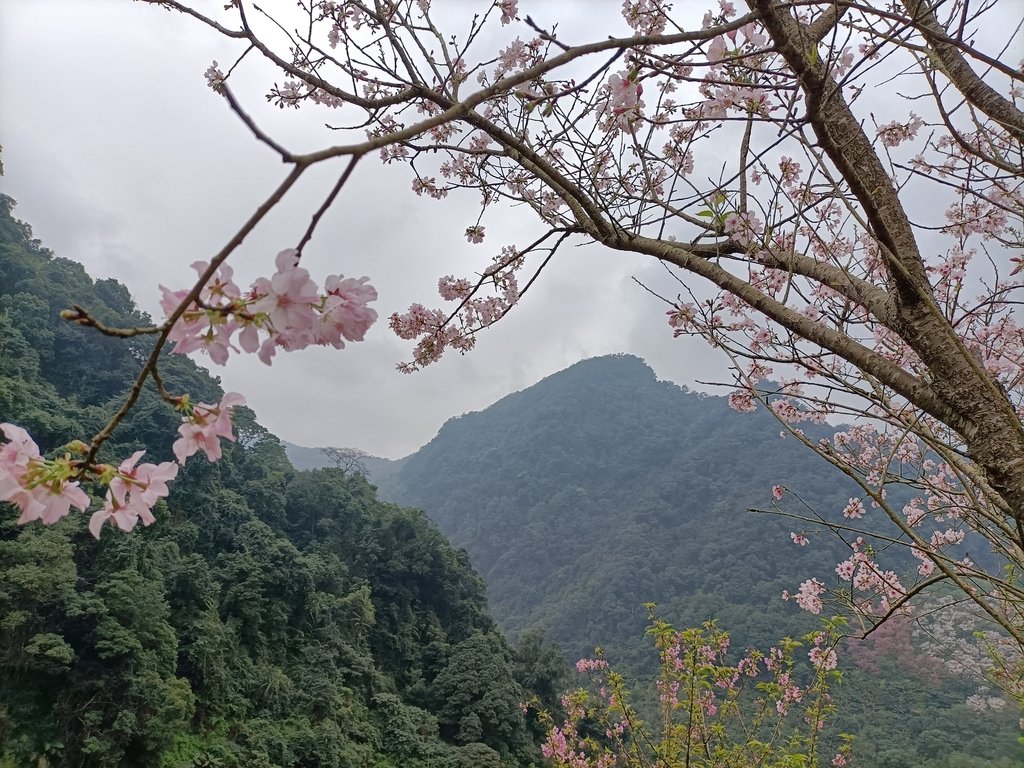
point(284, 311)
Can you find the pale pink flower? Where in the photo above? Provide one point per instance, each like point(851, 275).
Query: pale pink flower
point(454, 289)
point(23, 484)
point(148, 480)
point(346, 305)
point(475, 234)
point(846, 569)
point(591, 665)
point(744, 228)
point(215, 341)
point(789, 170)
point(205, 427)
point(132, 494)
point(288, 297)
point(123, 515)
point(214, 77)
point(753, 34)
point(53, 502)
point(809, 596)
point(717, 50)
point(624, 101)
point(799, 538)
point(509, 11)
point(645, 16)
point(189, 324)
point(249, 338)
point(682, 318)
point(221, 284)
point(20, 448)
point(742, 401)
point(823, 659)
point(895, 133)
point(854, 509)
point(267, 350)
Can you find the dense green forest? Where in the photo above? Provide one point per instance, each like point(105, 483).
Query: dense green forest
point(270, 618)
point(601, 488)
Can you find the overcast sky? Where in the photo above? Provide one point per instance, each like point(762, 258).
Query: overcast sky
point(121, 158)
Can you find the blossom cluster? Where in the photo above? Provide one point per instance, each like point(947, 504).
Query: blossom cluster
point(809, 596)
point(822, 656)
point(285, 311)
point(624, 105)
point(438, 330)
point(40, 489)
point(45, 489)
point(647, 17)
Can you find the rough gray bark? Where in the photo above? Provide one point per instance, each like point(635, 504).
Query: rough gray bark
point(974, 405)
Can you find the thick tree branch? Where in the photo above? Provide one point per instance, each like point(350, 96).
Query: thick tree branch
point(955, 67)
point(979, 409)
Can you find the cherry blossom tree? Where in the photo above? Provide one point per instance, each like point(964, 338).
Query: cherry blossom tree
point(835, 185)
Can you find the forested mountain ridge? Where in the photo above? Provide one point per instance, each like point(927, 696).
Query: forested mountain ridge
point(269, 618)
point(620, 489)
point(601, 488)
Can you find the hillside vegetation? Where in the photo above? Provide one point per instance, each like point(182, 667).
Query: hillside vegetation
point(269, 618)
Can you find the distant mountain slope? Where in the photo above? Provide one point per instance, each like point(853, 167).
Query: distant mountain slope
point(601, 488)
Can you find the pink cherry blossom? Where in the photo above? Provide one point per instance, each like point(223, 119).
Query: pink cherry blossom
point(809, 596)
point(854, 509)
point(132, 494)
point(287, 308)
point(148, 480)
point(214, 341)
point(288, 297)
point(744, 228)
point(204, 428)
point(509, 11)
point(743, 402)
point(624, 104)
point(53, 502)
point(20, 448)
point(591, 665)
point(345, 306)
point(823, 659)
point(645, 16)
point(895, 133)
point(190, 323)
point(25, 484)
point(214, 77)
